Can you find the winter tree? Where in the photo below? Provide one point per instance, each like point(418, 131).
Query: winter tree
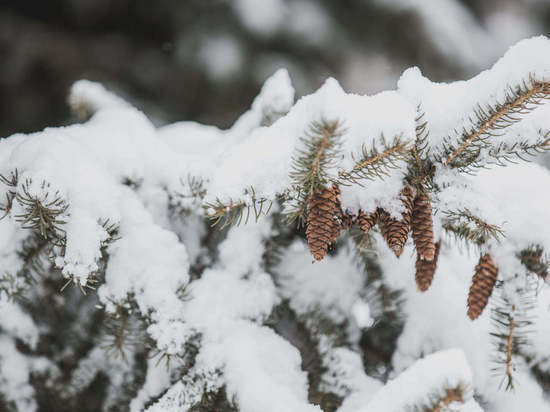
point(343, 252)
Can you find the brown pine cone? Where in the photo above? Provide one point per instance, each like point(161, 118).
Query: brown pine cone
point(394, 231)
point(483, 283)
point(425, 270)
point(322, 226)
point(422, 227)
point(348, 220)
point(367, 221)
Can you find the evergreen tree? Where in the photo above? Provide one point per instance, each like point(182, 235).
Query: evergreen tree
point(269, 267)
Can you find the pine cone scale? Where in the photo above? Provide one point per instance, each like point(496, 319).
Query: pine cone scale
point(425, 270)
point(396, 232)
point(483, 283)
point(422, 227)
point(322, 224)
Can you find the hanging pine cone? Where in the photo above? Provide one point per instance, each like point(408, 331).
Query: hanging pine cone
point(425, 270)
point(394, 231)
point(422, 227)
point(367, 221)
point(322, 226)
point(348, 220)
point(483, 284)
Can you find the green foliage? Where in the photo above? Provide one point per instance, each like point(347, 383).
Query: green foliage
point(421, 169)
point(192, 194)
point(43, 213)
point(462, 150)
point(511, 319)
point(440, 401)
point(124, 333)
point(534, 261)
point(233, 212)
point(11, 182)
point(464, 225)
point(310, 168)
point(215, 401)
point(375, 164)
point(510, 153)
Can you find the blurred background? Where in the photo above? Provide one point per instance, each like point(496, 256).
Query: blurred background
point(205, 60)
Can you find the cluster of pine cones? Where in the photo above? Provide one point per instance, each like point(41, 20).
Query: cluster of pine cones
point(325, 220)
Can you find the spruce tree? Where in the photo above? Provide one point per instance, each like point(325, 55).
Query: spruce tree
point(339, 253)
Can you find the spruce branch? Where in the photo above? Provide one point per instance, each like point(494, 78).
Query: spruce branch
point(535, 261)
point(466, 226)
point(193, 193)
point(233, 212)
point(421, 168)
point(12, 286)
point(511, 320)
point(91, 282)
point(373, 163)
point(441, 400)
point(490, 121)
point(310, 169)
point(503, 152)
point(43, 212)
point(124, 332)
point(11, 182)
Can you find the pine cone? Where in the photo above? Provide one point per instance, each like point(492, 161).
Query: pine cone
point(394, 231)
point(367, 221)
point(483, 284)
point(348, 220)
point(425, 270)
point(422, 227)
point(322, 226)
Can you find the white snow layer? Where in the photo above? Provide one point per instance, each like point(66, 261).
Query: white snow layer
point(94, 167)
point(425, 376)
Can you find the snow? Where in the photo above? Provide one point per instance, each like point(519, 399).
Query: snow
point(228, 304)
point(264, 159)
point(15, 371)
point(450, 106)
point(157, 380)
point(332, 285)
point(361, 313)
point(423, 377)
point(16, 323)
point(117, 168)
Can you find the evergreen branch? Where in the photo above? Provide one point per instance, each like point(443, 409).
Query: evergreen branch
point(504, 152)
point(13, 286)
point(192, 195)
point(534, 261)
point(439, 401)
point(466, 226)
point(310, 168)
point(90, 284)
point(112, 232)
point(124, 332)
point(374, 163)
point(11, 182)
point(490, 121)
point(42, 213)
point(421, 168)
point(511, 319)
point(233, 212)
point(184, 359)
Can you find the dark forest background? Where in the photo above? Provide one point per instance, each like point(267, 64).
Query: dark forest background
point(205, 60)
